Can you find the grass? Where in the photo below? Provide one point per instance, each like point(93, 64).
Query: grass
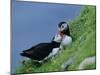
point(91, 66)
point(83, 31)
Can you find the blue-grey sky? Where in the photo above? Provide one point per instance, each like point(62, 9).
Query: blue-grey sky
point(33, 23)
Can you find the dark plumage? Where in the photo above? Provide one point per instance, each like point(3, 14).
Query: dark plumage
point(41, 50)
point(59, 25)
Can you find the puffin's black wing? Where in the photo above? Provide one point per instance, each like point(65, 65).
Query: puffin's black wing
point(38, 52)
point(41, 51)
point(29, 52)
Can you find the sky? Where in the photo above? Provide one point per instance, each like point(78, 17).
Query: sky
point(33, 23)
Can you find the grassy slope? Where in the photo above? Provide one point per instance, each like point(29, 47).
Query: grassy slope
point(83, 33)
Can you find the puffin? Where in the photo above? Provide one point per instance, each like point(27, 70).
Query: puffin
point(42, 51)
point(64, 30)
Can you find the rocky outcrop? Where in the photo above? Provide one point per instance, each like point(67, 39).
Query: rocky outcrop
point(66, 64)
point(87, 61)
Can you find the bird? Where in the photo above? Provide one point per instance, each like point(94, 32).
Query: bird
point(43, 51)
point(64, 30)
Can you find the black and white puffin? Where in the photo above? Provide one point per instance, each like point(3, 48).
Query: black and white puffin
point(64, 30)
point(42, 51)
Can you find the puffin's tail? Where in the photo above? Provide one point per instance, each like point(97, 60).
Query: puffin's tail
point(24, 54)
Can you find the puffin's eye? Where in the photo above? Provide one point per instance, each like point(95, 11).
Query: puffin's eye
point(62, 26)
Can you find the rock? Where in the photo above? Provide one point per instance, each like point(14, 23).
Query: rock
point(87, 61)
point(67, 63)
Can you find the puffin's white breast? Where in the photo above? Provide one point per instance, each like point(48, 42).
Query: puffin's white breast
point(66, 41)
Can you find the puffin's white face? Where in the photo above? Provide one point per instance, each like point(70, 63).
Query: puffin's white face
point(63, 27)
point(57, 38)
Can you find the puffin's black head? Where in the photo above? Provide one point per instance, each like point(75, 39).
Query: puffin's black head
point(64, 28)
point(60, 24)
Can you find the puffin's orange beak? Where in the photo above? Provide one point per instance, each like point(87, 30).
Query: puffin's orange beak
point(61, 34)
